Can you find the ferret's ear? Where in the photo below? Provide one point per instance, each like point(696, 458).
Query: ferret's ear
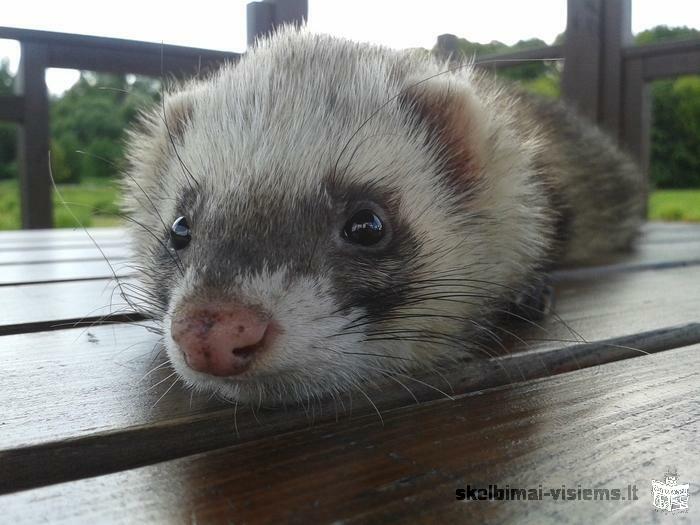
point(150, 141)
point(450, 115)
point(178, 113)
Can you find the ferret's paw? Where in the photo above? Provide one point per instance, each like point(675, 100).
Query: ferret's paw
point(535, 302)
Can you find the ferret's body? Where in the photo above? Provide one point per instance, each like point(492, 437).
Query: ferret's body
point(347, 212)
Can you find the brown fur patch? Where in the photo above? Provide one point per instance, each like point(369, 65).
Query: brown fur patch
point(449, 116)
point(178, 114)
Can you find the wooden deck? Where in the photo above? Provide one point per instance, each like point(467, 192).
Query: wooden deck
point(606, 394)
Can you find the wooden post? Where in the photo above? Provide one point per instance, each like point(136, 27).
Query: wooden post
point(447, 46)
point(636, 111)
point(263, 17)
point(617, 34)
point(582, 56)
point(33, 138)
point(596, 32)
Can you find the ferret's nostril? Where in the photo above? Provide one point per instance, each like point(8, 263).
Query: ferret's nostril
point(246, 351)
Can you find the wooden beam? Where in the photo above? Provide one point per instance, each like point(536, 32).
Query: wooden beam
point(664, 66)
point(11, 108)
point(155, 61)
point(505, 60)
point(114, 55)
point(33, 138)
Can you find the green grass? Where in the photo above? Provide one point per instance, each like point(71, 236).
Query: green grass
point(94, 203)
point(675, 205)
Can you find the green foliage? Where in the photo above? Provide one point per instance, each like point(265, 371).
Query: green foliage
point(59, 168)
point(675, 134)
point(93, 202)
point(527, 72)
point(548, 85)
point(8, 132)
point(664, 33)
point(89, 120)
point(675, 205)
point(675, 140)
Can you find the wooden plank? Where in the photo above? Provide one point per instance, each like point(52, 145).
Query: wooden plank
point(91, 253)
point(669, 232)
point(672, 66)
point(45, 306)
point(646, 254)
point(54, 235)
point(68, 244)
point(620, 304)
point(63, 369)
point(666, 59)
point(33, 138)
point(13, 274)
point(662, 48)
point(50, 306)
point(15, 239)
point(94, 368)
point(606, 427)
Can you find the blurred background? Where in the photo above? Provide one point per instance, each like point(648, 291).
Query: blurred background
point(89, 111)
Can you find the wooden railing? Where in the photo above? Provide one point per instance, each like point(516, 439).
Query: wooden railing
point(41, 50)
point(605, 77)
point(30, 107)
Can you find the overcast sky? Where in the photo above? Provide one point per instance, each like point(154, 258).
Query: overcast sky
point(220, 24)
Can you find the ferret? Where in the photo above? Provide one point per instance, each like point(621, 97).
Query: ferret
point(324, 213)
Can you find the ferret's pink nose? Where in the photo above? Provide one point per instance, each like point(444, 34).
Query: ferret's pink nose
point(220, 341)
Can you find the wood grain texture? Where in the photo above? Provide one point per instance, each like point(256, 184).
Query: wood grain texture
point(58, 244)
point(170, 435)
point(618, 305)
point(61, 254)
point(600, 428)
point(55, 303)
point(63, 368)
point(12, 274)
point(97, 404)
point(33, 138)
point(39, 237)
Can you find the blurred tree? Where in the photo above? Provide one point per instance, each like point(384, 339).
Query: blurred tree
point(8, 132)
point(675, 146)
point(675, 134)
point(539, 76)
point(89, 120)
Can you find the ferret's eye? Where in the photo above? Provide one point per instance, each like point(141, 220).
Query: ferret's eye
point(364, 228)
point(180, 234)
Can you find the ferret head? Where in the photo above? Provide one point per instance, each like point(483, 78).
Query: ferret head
point(323, 214)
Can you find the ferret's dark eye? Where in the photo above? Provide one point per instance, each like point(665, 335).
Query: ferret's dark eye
point(180, 234)
point(364, 228)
